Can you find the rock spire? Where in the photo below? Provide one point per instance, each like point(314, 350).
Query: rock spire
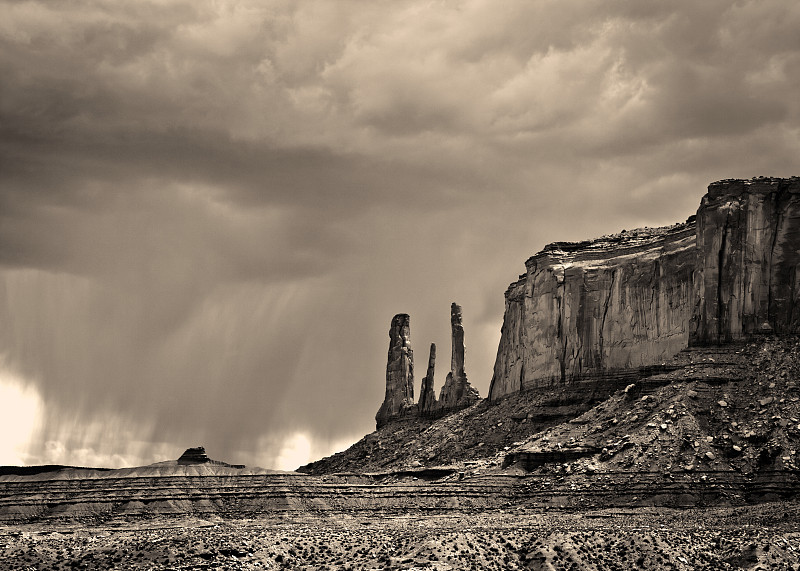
point(457, 393)
point(399, 398)
point(398, 402)
point(427, 396)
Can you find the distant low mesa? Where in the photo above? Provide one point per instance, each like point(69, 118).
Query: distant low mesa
point(198, 456)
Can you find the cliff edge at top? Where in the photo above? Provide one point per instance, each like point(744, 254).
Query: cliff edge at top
point(588, 308)
point(600, 310)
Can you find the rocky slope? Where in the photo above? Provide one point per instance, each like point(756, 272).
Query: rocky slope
point(721, 419)
point(733, 409)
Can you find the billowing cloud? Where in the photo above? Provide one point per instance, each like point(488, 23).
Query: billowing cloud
point(210, 211)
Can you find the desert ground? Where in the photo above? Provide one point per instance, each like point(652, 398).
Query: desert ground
point(765, 536)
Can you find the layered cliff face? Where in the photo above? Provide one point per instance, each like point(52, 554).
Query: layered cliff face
point(399, 398)
point(603, 308)
point(590, 308)
point(748, 251)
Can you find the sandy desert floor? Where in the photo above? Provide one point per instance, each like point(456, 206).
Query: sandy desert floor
point(757, 537)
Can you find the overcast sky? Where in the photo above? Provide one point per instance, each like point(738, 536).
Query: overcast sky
point(211, 210)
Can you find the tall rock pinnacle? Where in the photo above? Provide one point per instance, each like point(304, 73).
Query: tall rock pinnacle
point(399, 399)
point(457, 392)
point(427, 396)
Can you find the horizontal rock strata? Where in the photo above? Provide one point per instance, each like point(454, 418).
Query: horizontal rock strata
point(245, 495)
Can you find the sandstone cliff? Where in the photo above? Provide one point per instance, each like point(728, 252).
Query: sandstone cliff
point(594, 307)
point(602, 309)
point(399, 398)
point(748, 250)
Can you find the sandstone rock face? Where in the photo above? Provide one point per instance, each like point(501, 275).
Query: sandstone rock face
point(601, 308)
point(399, 398)
point(748, 251)
point(427, 396)
point(592, 308)
point(457, 393)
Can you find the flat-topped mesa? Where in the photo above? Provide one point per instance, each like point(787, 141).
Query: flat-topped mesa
point(596, 308)
point(427, 396)
point(456, 393)
point(195, 455)
point(198, 455)
point(399, 398)
point(600, 310)
point(748, 260)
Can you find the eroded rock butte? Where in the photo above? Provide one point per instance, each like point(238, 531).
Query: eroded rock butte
point(594, 314)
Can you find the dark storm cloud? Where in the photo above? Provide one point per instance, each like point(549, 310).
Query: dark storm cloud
point(210, 211)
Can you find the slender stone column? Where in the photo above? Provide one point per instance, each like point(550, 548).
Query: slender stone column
point(457, 392)
point(427, 396)
point(399, 398)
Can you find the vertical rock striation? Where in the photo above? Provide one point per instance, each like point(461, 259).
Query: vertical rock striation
point(596, 308)
point(427, 396)
point(457, 393)
point(748, 251)
point(398, 403)
point(399, 398)
point(602, 309)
